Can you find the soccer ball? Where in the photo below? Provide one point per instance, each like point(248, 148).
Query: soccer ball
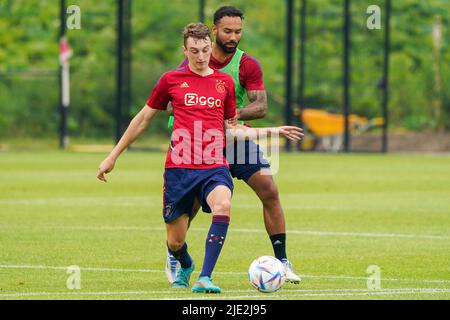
point(267, 274)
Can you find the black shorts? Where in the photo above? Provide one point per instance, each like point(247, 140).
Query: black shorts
point(245, 159)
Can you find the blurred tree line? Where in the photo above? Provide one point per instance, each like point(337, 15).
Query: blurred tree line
point(29, 60)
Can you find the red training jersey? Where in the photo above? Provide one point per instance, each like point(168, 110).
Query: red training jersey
point(200, 106)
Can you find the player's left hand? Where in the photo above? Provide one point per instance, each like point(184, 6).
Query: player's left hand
point(291, 132)
point(233, 121)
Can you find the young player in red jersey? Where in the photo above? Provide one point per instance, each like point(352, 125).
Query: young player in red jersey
point(195, 167)
point(248, 78)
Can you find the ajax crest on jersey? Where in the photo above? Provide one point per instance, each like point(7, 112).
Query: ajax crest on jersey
point(267, 274)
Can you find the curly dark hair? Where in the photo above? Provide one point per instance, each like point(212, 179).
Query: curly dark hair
point(227, 11)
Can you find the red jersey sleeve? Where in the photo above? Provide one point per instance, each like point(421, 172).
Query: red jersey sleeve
point(160, 97)
point(250, 73)
point(230, 100)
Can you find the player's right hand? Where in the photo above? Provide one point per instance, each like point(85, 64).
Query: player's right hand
point(106, 166)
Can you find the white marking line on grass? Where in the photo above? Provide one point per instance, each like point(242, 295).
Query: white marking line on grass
point(331, 294)
point(382, 279)
point(341, 208)
point(216, 272)
point(25, 266)
point(285, 293)
point(155, 202)
point(354, 234)
point(300, 232)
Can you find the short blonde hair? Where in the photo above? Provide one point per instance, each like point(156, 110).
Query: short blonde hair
point(197, 31)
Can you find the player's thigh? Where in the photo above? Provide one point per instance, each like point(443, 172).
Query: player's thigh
point(195, 208)
point(219, 200)
point(263, 185)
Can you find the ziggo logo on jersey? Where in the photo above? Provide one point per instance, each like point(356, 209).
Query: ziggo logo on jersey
point(192, 99)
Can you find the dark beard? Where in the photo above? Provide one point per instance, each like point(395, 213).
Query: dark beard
point(224, 47)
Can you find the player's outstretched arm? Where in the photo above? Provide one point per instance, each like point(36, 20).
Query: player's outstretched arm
point(242, 132)
point(139, 123)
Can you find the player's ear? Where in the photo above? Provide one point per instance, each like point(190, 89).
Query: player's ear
point(214, 29)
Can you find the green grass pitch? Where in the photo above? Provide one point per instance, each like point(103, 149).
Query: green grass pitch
point(344, 213)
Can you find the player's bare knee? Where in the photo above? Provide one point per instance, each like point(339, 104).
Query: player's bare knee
point(175, 244)
point(270, 193)
point(222, 207)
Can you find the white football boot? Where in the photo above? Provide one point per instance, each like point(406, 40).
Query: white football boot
point(172, 267)
point(290, 275)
